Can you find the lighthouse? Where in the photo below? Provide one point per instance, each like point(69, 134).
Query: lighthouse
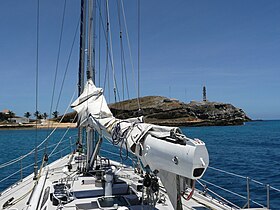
point(204, 94)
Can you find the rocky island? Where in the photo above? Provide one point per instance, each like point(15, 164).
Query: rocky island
point(160, 111)
point(171, 112)
point(164, 111)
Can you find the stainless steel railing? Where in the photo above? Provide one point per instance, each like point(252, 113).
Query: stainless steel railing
point(19, 160)
point(248, 197)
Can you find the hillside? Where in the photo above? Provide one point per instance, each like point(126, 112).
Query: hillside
point(163, 111)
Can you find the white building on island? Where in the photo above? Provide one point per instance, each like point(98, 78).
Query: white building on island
point(19, 120)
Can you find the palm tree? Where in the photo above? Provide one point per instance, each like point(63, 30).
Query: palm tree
point(27, 114)
point(45, 115)
point(2, 116)
point(37, 114)
point(55, 114)
point(11, 114)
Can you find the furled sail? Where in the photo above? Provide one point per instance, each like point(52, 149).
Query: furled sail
point(93, 110)
point(159, 148)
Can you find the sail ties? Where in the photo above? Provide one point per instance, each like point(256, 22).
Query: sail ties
point(127, 134)
point(120, 138)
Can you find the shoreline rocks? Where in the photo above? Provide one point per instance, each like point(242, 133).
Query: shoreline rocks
point(164, 111)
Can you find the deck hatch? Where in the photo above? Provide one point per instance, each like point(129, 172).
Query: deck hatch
point(109, 202)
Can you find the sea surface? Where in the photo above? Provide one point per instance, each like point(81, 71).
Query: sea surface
point(252, 150)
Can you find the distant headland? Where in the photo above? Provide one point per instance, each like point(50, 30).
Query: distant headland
point(172, 112)
point(157, 110)
point(165, 111)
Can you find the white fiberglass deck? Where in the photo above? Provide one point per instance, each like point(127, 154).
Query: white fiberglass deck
point(86, 191)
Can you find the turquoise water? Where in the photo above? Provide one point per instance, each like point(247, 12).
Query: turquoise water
point(251, 150)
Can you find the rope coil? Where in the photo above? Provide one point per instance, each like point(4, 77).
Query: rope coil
point(119, 137)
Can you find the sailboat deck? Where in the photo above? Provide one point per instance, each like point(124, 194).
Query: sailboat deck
point(86, 190)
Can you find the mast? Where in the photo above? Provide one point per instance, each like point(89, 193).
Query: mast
point(81, 75)
point(91, 43)
point(90, 68)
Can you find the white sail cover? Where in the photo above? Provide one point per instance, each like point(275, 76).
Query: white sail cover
point(160, 148)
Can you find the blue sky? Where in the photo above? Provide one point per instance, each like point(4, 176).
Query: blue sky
point(232, 47)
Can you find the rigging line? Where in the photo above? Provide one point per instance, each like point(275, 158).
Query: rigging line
point(60, 151)
point(138, 90)
point(111, 51)
point(37, 86)
point(53, 145)
point(257, 182)
point(109, 58)
point(10, 162)
point(67, 65)
point(99, 49)
point(59, 141)
point(107, 52)
point(130, 52)
point(220, 197)
point(116, 154)
point(236, 175)
point(274, 188)
point(121, 46)
point(94, 40)
point(59, 120)
point(57, 62)
point(224, 189)
point(233, 174)
point(58, 56)
point(15, 173)
point(124, 72)
point(31, 190)
point(236, 194)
